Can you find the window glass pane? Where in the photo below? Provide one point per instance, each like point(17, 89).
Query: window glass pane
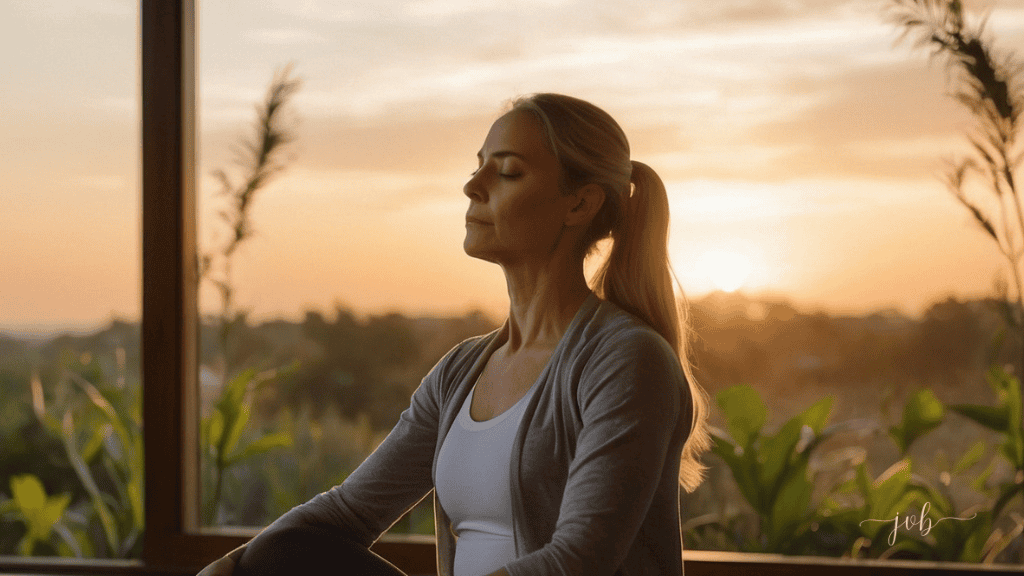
point(71, 461)
point(822, 257)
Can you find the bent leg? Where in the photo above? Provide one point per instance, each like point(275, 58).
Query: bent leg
point(309, 551)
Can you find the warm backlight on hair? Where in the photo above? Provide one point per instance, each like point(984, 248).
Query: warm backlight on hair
point(726, 271)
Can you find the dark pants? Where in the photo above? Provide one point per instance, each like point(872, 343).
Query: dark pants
point(309, 551)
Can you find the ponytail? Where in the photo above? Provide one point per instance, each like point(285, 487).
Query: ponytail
point(637, 277)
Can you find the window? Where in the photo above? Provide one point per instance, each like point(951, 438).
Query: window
point(71, 474)
point(174, 540)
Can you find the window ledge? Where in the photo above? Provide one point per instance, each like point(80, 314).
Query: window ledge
point(704, 562)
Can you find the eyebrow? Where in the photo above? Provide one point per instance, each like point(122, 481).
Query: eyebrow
point(502, 154)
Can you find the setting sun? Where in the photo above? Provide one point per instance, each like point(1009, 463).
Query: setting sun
point(726, 271)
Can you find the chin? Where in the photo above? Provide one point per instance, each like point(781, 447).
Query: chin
point(476, 252)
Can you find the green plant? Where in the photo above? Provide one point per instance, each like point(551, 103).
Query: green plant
point(40, 514)
point(771, 470)
point(99, 426)
point(222, 429)
point(221, 432)
point(1006, 419)
point(924, 517)
point(922, 413)
point(990, 85)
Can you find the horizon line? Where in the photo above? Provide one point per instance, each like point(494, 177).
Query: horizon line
point(49, 331)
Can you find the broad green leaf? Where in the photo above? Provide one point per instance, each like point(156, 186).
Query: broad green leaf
point(775, 455)
point(38, 511)
point(971, 457)
point(234, 430)
point(267, 442)
point(234, 393)
point(782, 451)
point(864, 482)
point(906, 541)
point(745, 413)
point(742, 470)
point(791, 505)
point(923, 413)
point(995, 418)
point(889, 489)
point(215, 428)
point(938, 503)
point(42, 521)
point(818, 414)
point(28, 493)
point(978, 534)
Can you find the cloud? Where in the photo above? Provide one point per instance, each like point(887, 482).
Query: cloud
point(284, 36)
point(869, 121)
point(730, 201)
point(408, 143)
point(66, 10)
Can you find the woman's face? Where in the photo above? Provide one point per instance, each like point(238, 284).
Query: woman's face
point(516, 209)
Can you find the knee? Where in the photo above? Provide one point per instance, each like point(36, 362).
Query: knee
point(312, 551)
point(293, 550)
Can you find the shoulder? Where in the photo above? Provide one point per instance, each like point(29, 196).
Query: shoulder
point(616, 353)
point(614, 334)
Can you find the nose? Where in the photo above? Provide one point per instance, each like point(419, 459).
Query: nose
point(474, 188)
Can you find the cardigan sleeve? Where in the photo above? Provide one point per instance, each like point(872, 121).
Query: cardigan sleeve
point(390, 481)
point(629, 396)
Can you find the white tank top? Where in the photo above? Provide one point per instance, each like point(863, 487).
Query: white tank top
point(473, 487)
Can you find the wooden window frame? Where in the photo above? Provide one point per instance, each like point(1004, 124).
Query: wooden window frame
point(174, 542)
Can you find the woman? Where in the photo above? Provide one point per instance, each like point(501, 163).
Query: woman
point(556, 444)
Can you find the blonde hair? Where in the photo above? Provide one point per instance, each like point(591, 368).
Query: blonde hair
point(592, 148)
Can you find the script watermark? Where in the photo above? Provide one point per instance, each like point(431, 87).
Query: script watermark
point(924, 523)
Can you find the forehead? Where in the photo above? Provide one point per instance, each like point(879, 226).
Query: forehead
point(521, 132)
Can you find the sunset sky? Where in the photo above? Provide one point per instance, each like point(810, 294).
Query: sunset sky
point(800, 147)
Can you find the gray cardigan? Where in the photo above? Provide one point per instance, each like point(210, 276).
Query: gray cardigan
point(594, 471)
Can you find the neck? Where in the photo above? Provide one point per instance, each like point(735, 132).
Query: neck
point(542, 303)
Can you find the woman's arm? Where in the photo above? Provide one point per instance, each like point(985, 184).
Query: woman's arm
point(392, 479)
point(384, 486)
point(225, 565)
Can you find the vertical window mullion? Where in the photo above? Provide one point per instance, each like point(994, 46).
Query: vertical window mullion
point(168, 273)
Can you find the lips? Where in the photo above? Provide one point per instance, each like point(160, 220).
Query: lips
point(471, 220)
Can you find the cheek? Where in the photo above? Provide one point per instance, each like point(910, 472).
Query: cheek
point(536, 205)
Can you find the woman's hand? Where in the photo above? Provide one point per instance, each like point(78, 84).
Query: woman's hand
point(222, 567)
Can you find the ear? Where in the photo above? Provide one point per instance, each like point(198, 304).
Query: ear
point(586, 201)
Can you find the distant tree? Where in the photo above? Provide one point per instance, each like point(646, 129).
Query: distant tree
point(355, 373)
point(988, 83)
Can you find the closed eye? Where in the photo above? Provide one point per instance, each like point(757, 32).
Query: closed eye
point(508, 175)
